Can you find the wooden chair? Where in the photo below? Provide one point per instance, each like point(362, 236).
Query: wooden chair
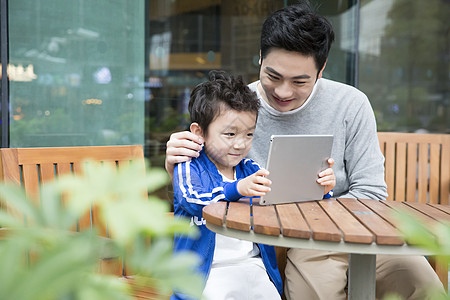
point(418, 170)
point(32, 167)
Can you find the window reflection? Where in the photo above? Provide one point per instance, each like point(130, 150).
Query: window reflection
point(187, 39)
point(82, 73)
point(76, 73)
point(404, 63)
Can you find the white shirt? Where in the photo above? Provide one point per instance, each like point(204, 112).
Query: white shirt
point(230, 250)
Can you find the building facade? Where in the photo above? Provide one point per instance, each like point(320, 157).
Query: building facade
point(111, 72)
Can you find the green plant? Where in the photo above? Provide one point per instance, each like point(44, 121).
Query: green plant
point(42, 258)
point(436, 240)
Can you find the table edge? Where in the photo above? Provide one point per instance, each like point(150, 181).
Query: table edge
point(341, 246)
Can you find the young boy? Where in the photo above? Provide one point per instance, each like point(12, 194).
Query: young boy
point(223, 112)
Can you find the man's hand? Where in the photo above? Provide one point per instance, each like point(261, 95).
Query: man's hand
point(327, 177)
point(181, 147)
point(255, 184)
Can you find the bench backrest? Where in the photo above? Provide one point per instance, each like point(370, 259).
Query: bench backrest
point(417, 166)
point(31, 168)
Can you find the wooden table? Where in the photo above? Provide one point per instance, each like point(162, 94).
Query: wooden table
point(362, 228)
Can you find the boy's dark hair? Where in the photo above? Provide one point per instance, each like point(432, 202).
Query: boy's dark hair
point(222, 90)
point(298, 28)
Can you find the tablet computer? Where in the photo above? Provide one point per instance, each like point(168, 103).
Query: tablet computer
point(294, 163)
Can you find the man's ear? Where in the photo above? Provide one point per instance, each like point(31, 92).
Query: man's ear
point(321, 71)
point(260, 58)
point(196, 129)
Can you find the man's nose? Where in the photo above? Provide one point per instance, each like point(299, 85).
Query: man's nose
point(283, 90)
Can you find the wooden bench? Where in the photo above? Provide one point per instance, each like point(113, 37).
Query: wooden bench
point(32, 167)
point(417, 168)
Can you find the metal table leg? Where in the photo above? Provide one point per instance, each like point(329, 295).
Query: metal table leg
point(361, 277)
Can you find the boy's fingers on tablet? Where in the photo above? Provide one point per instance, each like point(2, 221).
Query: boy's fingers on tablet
point(262, 172)
point(263, 180)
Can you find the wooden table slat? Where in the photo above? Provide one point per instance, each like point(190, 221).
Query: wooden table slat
point(265, 220)
point(430, 211)
point(444, 208)
point(352, 230)
point(215, 214)
point(402, 206)
point(238, 216)
point(292, 222)
point(385, 233)
point(381, 209)
point(322, 227)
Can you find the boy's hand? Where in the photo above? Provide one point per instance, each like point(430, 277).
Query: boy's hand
point(255, 184)
point(327, 177)
point(181, 147)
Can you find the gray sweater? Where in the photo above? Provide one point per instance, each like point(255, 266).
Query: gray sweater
point(337, 109)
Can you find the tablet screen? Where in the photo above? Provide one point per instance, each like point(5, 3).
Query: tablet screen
point(294, 163)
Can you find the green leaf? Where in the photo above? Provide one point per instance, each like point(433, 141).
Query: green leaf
point(19, 205)
point(63, 263)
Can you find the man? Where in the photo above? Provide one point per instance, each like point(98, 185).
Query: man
point(295, 99)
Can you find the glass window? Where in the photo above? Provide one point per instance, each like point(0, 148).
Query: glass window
point(76, 72)
point(188, 38)
point(404, 63)
point(343, 15)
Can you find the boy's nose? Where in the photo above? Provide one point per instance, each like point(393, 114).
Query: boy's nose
point(239, 143)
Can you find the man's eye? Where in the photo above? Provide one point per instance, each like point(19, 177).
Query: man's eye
point(299, 82)
point(228, 134)
point(273, 76)
point(250, 134)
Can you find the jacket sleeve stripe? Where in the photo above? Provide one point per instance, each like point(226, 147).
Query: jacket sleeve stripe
point(191, 195)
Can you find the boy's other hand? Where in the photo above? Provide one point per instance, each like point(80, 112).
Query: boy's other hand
point(255, 184)
point(327, 177)
point(181, 147)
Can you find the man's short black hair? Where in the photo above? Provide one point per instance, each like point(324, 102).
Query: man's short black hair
point(221, 91)
point(298, 28)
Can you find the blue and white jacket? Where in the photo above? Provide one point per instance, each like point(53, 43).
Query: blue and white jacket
point(197, 183)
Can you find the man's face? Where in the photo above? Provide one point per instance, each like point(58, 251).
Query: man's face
point(287, 79)
point(229, 138)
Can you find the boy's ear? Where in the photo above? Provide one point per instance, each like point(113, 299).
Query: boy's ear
point(196, 129)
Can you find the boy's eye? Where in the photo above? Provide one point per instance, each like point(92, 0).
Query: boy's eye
point(299, 82)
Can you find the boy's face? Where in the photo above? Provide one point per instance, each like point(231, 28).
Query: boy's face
point(229, 138)
point(287, 79)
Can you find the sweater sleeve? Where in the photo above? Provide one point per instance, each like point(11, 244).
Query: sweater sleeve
point(364, 162)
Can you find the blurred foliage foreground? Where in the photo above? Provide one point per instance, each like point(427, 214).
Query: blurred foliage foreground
point(41, 257)
point(436, 240)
